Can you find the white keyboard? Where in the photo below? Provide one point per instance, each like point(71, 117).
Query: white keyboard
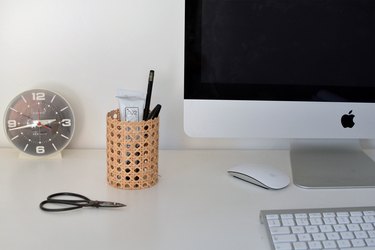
point(326, 228)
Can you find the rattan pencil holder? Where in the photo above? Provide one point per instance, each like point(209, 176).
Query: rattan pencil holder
point(132, 152)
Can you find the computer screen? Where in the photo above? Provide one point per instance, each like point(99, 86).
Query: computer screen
point(280, 68)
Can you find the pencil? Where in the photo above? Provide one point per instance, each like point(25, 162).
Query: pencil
point(148, 95)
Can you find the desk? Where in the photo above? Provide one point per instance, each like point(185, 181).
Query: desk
point(195, 205)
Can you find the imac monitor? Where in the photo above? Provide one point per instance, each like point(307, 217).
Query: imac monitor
point(296, 69)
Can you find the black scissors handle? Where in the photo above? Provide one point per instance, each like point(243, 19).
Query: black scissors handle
point(84, 198)
point(71, 204)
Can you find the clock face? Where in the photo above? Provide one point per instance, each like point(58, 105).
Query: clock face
point(39, 122)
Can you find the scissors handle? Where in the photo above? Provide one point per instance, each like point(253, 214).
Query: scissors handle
point(70, 204)
point(84, 198)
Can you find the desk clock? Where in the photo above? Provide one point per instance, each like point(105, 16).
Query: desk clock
point(39, 122)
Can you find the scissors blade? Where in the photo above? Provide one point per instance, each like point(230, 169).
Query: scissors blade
point(110, 204)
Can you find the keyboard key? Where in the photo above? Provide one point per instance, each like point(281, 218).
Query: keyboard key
point(367, 226)
point(302, 222)
point(315, 245)
point(329, 244)
point(288, 222)
point(358, 243)
point(284, 238)
point(330, 221)
point(360, 234)
point(369, 212)
point(347, 235)
point(329, 215)
point(316, 221)
point(342, 214)
point(370, 242)
point(280, 230)
point(333, 236)
point(371, 234)
point(312, 229)
point(340, 228)
point(356, 219)
point(274, 223)
point(315, 215)
point(353, 227)
point(286, 216)
point(356, 213)
point(272, 217)
point(300, 246)
point(298, 229)
point(283, 246)
point(343, 243)
point(369, 218)
point(325, 228)
point(343, 220)
point(304, 237)
point(319, 236)
point(300, 216)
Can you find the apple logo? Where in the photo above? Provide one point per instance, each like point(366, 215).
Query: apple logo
point(347, 120)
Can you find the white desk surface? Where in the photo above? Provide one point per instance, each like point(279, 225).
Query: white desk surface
point(195, 205)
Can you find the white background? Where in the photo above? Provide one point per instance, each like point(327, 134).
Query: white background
point(86, 49)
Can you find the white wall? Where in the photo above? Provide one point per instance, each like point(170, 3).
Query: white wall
point(86, 49)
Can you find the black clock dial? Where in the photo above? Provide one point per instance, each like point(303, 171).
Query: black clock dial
point(39, 122)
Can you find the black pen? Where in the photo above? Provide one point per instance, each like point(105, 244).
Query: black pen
point(155, 112)
point(148, 96)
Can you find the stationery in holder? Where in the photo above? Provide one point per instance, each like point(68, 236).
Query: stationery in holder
point(132, 152)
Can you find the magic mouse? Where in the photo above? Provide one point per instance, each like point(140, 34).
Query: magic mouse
point(262, 175)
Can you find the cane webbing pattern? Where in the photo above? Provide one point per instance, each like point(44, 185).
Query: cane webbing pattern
point(132, 152)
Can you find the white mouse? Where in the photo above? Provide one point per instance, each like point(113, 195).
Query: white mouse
point(262, 175)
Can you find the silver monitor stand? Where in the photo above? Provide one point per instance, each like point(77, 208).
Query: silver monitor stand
point(331, 164)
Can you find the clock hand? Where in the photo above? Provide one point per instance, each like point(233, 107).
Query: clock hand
point(25, 126)
point(46, 121)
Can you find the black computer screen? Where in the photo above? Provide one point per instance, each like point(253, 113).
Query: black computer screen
point(298, 50)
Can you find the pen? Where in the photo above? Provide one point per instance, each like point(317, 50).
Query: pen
point(148, 95)
point(155, 112)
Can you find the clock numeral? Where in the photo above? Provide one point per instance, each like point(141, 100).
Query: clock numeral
point(39, 96)
point(66, 122)
point(12, 123)
point(40, 150)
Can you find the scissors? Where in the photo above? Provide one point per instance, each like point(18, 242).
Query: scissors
point(75, 202)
